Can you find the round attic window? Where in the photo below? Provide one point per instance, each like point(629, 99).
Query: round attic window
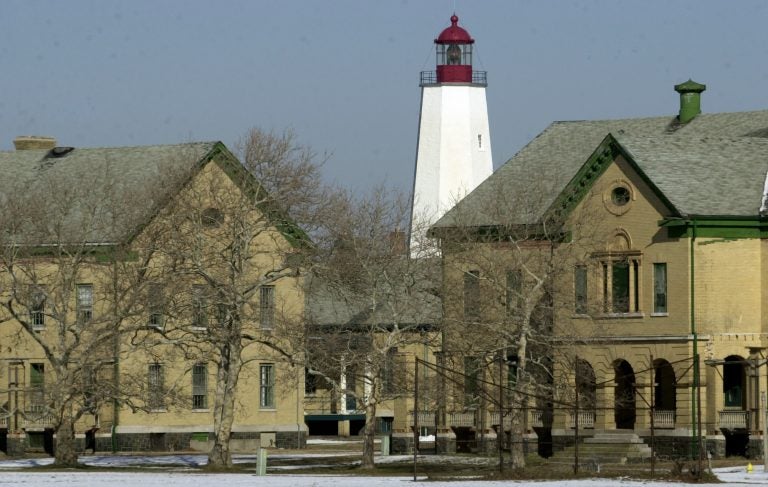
point(212, 217)
point(620, 196)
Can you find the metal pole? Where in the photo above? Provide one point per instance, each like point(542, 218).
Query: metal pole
point(653, 417)
point(765, 431)
point(415, 416)
point(500, 435)
point(698, 401)
point(576, 430)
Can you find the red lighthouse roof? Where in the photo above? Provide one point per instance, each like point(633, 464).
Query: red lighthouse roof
point(454, 34)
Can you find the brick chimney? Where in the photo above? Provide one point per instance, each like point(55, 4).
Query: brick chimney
point(34, 142)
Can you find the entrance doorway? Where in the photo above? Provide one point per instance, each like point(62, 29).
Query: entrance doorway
point(624, 395)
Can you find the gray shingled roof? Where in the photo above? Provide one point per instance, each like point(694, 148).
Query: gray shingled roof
point(704, 176)
point(336, 304)
point(94, 195)
point(525, 186)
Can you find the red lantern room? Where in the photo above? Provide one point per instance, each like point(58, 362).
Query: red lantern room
point(454, 54)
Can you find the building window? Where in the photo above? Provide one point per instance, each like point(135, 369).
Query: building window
point(156, 306)
point(620, 196)
point(199, 306)
point(472, 295)
point(580, 289)
point(200, 386)
point(267, 386)
point(84, 302)
point(37, 307)
point(212, 217)
point(389, 374)
point(514, 289)
point(512, 370)
point(310, 382)
point(156, 389)
point(471, 381)
point(267, 307)
point(621, 286)
point(37, 387)
point(660, 288)
point(89, 386)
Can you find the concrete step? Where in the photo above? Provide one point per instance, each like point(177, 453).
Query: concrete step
point(609, 448)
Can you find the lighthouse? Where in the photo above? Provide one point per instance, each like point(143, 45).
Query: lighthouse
point(453, 154)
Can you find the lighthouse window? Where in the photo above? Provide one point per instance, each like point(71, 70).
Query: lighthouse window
point(454, 54)
point(480, 141)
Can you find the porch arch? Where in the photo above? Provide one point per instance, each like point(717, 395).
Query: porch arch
point(665, 390)
point(586, 384)
point(624, 410)
point(735, 382)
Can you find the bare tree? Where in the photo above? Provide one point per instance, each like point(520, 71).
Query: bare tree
point(69, 288)
point(233, 264)
point(509, 281)
point(369, 302)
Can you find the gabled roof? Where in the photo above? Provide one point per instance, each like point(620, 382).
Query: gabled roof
point(105, 195)
point(526, 186)
point(87, 184)
point(704, 176)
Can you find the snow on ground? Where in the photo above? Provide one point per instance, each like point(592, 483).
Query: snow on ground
point(17, 473)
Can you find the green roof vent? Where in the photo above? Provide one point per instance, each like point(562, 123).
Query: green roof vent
point(690, 100)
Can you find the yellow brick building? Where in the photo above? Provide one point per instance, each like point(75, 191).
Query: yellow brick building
point(114, 299)
point(647, 236)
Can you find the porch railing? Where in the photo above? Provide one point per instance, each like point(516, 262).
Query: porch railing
point(537, 418)
point(35, 421)
point(663, 418)
point(426, 418)
point(465, 419)
point(586, 419)
point(506, 418)
point(734, 419)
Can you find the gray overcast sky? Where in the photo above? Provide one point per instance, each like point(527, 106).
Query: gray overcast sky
point(344, 73)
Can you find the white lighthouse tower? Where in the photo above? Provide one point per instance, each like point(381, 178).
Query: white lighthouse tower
point(454, 146)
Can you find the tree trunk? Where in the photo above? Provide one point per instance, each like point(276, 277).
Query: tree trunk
point(369, 435)
point(220, 456)
point(65, 452)
point(516, 450)
point(519, 401)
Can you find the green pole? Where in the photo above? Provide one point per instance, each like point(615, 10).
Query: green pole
point(694, 387)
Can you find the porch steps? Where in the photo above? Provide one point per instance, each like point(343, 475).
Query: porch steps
point(611, 446)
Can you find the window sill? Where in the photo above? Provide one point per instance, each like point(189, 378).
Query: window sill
point(620, 316)
point(657, 315)
point(163, 410)
point(580, 316)
point(268, 410)
point(201, 410)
